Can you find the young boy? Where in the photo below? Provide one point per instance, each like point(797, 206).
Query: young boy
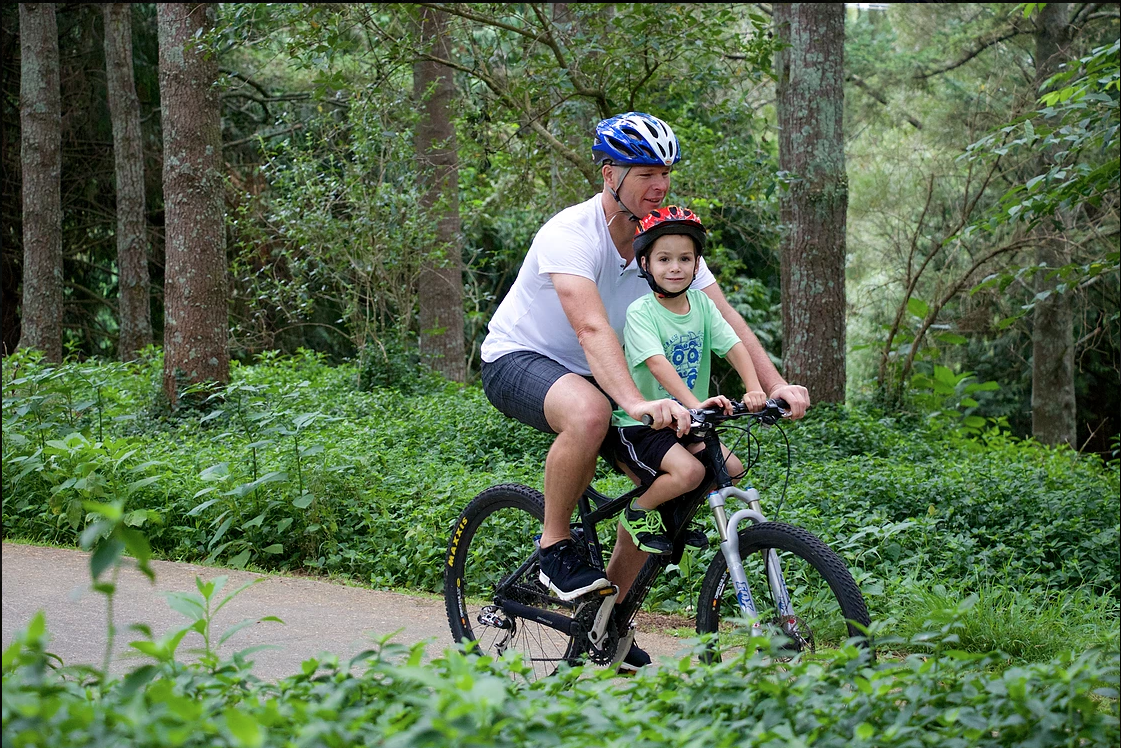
point(668, 337)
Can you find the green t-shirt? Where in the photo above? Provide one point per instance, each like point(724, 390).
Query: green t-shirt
point(686, 340)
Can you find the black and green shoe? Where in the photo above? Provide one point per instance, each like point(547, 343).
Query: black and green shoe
point(647, 529)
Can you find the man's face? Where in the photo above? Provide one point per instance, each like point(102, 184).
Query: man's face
point(644, 188)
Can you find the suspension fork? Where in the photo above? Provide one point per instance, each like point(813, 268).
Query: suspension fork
point(730, 546)
point(728, 528)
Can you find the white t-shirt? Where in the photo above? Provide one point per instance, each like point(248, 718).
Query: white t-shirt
point(574, 242)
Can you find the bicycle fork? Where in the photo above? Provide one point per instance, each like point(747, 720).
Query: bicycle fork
point(728, 528)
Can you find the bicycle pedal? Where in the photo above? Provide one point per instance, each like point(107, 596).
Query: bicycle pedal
point(599, 594)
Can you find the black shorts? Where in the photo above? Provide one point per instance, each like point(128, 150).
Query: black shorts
point(642, 448)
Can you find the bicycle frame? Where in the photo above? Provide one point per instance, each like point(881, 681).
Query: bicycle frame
point(727, 528)
point(594, 507)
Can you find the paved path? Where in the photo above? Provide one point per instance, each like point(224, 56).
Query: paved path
point(319, 616)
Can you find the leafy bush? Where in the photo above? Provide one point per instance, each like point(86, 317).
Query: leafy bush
point(385, 697)
point(293, 466)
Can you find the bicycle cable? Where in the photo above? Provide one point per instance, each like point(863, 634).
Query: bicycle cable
point(786, 482)
point(754, 449)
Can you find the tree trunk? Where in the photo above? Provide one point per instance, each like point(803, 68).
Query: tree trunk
point(441, 278)
point(133, 309)
point(1052, 378)
point(811, 149)
point(195, 297)
point(11, 206)
point(41, 143)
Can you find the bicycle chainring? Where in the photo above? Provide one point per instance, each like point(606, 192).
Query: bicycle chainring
point(585, 617)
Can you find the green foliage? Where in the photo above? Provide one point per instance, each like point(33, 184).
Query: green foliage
point(1023, 626)
point(338, 241)
point(944, 133)
point(293, 467)
point(1077, 126)
point(386, 697)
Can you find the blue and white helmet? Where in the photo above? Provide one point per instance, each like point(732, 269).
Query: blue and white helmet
point(635, 139)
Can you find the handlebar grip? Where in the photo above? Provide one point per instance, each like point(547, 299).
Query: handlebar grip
point(647, 419)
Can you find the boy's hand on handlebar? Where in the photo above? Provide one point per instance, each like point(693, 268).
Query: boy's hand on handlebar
point(718, 402)
point(796, 396)
point(755, 400)
point(660, 414)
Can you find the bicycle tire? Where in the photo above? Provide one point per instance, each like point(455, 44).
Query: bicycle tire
point(824, 595)
point(494, 537)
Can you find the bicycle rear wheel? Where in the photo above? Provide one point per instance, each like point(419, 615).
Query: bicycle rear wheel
point(826, 601)
point(492, 557)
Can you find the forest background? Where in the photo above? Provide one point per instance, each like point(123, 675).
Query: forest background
point(373, 205)
point(315, 209)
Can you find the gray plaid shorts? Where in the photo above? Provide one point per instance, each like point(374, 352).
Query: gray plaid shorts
point(517, 383)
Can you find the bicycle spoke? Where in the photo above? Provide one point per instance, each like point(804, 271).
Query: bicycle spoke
point(825, 600)
point(492, 562)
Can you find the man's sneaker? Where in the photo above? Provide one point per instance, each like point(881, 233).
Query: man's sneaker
point(568, 575)
point(647, 529)
point(636, 658)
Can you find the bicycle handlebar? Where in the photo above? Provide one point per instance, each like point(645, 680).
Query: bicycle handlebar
point(775, 409)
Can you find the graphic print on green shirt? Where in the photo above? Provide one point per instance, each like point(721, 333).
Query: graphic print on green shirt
point(686, 340)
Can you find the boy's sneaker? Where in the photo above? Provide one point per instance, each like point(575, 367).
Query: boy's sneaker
point(694, 538)
point(636, 658)
point(672, 514)
point(568, 575)
point(647, 529)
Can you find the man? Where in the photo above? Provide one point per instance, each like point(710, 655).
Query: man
point(553, 358)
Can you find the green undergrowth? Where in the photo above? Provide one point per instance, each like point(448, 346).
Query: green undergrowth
point(293, 467)
point(385, 696)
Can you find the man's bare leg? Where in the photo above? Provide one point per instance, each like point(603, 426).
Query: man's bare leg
point(580, 414)
point(626, 561)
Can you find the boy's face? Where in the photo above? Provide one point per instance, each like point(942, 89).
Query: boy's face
point(673, 262)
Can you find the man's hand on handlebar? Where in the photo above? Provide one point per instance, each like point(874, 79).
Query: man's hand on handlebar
point(796, 396)
point(663, 413)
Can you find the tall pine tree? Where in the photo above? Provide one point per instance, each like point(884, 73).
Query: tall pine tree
point(41, 160)
point(133, 309)
point(196, 327)
point(810, 72)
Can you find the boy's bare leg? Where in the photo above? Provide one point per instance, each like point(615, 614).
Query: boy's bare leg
point(580, 414)
point(682, 473)
point(731, 462)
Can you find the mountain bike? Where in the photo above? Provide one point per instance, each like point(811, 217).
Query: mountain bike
point(493, 595)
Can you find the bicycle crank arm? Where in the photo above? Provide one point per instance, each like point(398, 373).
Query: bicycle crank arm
point(603, 616)
point(561, 623)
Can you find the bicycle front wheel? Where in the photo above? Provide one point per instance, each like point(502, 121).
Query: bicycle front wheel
point(492, 560)
point(827, 605)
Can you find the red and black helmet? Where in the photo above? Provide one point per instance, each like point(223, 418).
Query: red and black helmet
point(668, 220)
point(671, 219)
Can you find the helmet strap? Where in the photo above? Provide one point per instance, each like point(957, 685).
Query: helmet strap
point(615, 194)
